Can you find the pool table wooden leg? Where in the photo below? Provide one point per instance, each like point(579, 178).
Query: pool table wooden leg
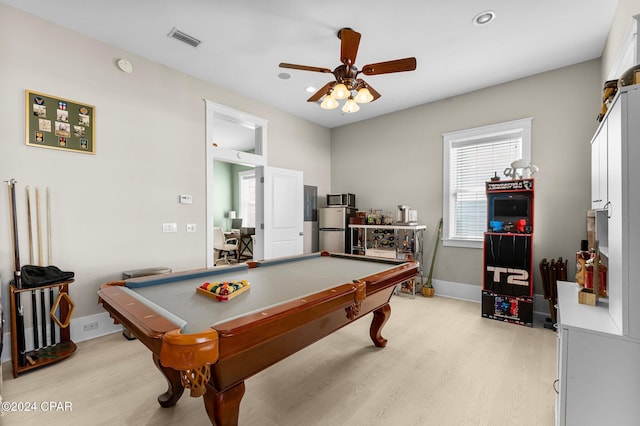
point(173, 394)
point(380, 317)
point(223, 408)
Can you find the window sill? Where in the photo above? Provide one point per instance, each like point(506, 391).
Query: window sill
point(462, 243)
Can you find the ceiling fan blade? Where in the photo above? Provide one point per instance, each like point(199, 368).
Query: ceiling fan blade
point(320, 93)
point(350, 40)
point(399, 65)
point(303, 67)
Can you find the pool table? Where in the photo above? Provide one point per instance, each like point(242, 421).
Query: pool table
point(211, 347)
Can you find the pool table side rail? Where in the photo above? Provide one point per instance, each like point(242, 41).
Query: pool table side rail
point(177, 276)
point(145, 323)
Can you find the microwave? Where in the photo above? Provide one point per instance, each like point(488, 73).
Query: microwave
point(346, 200)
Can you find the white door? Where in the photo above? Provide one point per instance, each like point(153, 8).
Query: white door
point(283, 212)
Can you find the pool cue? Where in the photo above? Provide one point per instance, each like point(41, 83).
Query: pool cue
point(50, 261)
point(34, 302)
point(31, 255)
point(19, 314)
point(41, 263)
point(39, 226)
point(43, 312)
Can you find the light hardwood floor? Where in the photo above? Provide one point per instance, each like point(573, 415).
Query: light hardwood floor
point(443, 365)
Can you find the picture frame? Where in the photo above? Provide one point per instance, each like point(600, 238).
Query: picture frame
point(59, 123)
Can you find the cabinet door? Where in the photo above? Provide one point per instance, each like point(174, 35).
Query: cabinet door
point(599, 196)
point(616, 176)
point(601, 380)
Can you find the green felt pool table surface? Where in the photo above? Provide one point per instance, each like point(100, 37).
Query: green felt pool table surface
point(271, 284)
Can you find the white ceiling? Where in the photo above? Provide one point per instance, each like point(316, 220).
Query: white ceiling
point(243, 41)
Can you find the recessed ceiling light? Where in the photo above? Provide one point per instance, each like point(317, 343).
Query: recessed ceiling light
point(310, 89)
point(484, 18)
point(284, 76)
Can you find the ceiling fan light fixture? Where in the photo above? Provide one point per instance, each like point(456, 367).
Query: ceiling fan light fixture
point(329, 102)
point(364, 96)
point(350, 106)
point(340, 91)
point(346, 84)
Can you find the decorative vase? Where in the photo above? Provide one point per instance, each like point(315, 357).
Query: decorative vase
point(630, 77)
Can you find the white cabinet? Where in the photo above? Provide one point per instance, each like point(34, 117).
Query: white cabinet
point(599, 346)
point(615, 189)
point(623, 210)
point(598, 368)
point(599, 195)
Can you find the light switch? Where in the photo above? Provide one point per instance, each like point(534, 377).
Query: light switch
point(185, 199)
point(169, 227)
point(191, 227)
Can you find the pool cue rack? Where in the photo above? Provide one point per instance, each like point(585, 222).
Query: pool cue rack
point(48, 345)
point(52, 349)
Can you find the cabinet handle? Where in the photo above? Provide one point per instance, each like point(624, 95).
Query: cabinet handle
point(607, 207)
point(596, 201)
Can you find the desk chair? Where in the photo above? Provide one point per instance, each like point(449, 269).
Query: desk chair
point(224, 246)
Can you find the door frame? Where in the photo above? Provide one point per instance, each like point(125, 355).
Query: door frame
point(214, 152)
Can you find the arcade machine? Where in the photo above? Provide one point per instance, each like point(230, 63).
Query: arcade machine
point(507, 288)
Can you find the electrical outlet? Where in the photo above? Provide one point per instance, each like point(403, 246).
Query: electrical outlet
point(90, 326)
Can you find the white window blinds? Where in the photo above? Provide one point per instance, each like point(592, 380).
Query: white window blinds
point(472, 164)
point(471, 157)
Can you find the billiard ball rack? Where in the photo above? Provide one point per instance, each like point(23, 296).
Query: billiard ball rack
point(222, 295)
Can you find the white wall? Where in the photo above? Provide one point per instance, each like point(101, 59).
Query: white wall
point(108, 208)
point(624, 14)
point(397, 159)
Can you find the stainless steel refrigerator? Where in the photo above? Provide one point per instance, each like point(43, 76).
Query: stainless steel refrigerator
point(334, 229)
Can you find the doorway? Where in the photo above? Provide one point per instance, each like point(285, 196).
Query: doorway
point(235, 141)
point(278, 213)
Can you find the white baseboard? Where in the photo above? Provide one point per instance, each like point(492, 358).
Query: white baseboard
point(104, 323)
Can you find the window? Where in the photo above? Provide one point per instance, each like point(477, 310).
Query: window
point(471, 157)
point(247, 180)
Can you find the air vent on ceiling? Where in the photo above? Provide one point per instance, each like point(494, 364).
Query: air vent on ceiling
point(185, 38)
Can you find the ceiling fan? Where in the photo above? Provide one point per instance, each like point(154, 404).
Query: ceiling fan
point(346, 75)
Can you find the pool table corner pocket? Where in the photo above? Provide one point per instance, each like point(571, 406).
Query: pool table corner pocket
point(191, 355)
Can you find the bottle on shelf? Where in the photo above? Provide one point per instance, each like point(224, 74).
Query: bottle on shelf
point(581, 259)
point(590, 271)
